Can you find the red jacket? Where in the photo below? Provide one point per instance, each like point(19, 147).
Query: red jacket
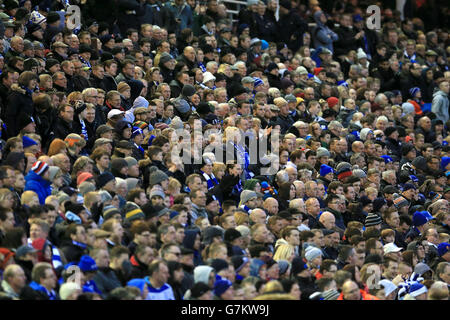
point(364, 296)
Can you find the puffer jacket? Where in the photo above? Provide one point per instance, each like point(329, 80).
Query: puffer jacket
point(36, 183)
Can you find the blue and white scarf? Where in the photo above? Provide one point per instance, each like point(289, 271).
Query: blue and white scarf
point(84, 132)
point(211, 181)
point(237, 189)
point(243, 154)
point(79, 244)
point(56, 256)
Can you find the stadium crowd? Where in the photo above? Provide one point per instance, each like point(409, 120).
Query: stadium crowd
point(163, 151)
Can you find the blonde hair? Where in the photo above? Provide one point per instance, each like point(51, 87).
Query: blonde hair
point(26, 197)
point(241, 218)
point(283, 252)
point(174, 184)
point(218, 166)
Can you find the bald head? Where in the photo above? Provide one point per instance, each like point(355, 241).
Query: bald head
point(189, 53)
point(350, 290)
point(328, 220)
point(258, 216)
point(271, 206)
point(358, 147)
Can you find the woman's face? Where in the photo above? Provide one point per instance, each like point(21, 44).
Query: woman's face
point(195, 99)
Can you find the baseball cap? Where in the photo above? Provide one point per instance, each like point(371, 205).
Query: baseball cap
point(114, 112)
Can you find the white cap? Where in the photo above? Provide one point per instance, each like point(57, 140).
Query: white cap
point(388, 286)
point(361, 54)
point(114, 112)
point(208, 76)
point(391, 247)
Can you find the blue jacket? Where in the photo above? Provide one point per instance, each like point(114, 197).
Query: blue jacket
point(36, 183)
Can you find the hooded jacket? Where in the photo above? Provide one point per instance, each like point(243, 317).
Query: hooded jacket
point(188, 242)
point(322, 35)
point(36, 183)
point(439, 106)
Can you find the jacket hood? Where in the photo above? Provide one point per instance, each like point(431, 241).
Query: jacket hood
point(189, 238)
point(439, 93)
point(317, 15)
point(201, 274)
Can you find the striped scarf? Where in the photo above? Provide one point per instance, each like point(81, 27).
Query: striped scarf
point(237, 189)
point(84, 132)
point(211, 181)
point(243, 154)
point(56, 256)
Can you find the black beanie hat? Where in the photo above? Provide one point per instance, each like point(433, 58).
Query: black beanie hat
point(231, 235)
point(219, 264)
point(188, 90)
point(50, 63)
point(24, 120)
point(52, 17)
point(104, 178)
point(389, 130)
point(203, 108)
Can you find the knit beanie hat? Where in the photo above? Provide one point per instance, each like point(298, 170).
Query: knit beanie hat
point(132, 212)
point(140, 124)
point(210, 232)
point(250, 184)
point(231, 234)
point(219, 265)
point(378, 203)
point(220, 286)
point(87, 264)
point(420, 162)
point(83, 176)
point(239, 262)
point(109, 211)
point(419, 218)
point(372, 219)
point(312, 252)
point(246, 195)
point(364, 132)
point(105, 196)
point(199, 289)
point(343, 170)
point(324, 170)
point(165, 57)
point(416, 289)
point(157, 176)
point(28, 142)
point(322, 152)
point(53, 171)
point(389, 130)
point(131, 183)
point(157, 192)
point(104, 178)
point(39, 167)
point(400, 201)
point(298, 265)
point(86, 187)
point(360, 173)
point(188, 90)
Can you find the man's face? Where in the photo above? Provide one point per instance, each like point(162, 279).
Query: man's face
point(351, 291)
point(67, 114)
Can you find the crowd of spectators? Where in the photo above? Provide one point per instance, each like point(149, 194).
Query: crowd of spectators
point(164, 151)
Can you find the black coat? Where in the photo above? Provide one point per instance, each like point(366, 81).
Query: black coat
point(128, 13)
point(19, 102)
point(44, 125)
point(72, 252)
point(346, 41)
point(62, 128)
